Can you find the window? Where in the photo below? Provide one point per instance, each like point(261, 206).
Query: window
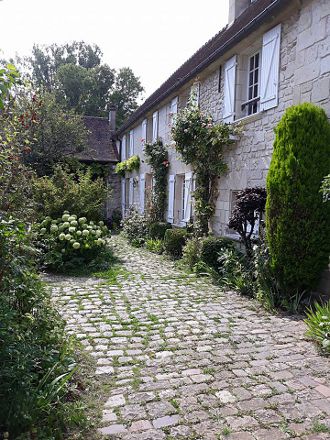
point(252, 103)
point(251, 79)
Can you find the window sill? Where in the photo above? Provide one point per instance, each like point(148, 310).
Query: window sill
point(249, 118)
point(234, 237)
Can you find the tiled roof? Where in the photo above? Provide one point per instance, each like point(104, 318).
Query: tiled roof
point(252, 17)
point(101, 147)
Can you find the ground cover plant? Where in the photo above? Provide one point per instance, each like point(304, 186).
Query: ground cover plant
point(318, 323)
point(37, 361)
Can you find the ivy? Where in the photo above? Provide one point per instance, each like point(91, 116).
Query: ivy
point(157, 157)
point(129, 165)
point(200, 143)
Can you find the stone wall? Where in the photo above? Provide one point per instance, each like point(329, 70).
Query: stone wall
point(304, 77)
point(114, 200)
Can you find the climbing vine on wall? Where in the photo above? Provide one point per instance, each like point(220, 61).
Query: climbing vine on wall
point(200, 142)
point(157, 157)
point(129, 165)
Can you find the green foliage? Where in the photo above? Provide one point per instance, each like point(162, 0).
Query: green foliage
point(157, 230)
point(318, 323)
point(235, 271)
point(135, 228)
point(325, 188)
point(200, 143)
point(70, 241)
point(266, 286)
point(297, 220)
point(154, 245)
point(191, 252)
point(157, 157)
point(8, 77)
point(124, 97)
point(212, 247)
point(15, 177)
point(174, 240)
point(65, 191)
point(53, 133)
point(129, 165)
point(81, 81)
point(36, 358)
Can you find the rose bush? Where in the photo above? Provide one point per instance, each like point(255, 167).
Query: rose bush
point(70, 240)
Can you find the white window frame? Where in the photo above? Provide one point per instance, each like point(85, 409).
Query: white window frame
point(246, 105)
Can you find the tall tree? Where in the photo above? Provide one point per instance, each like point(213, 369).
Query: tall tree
point(81, 81)
point(52, 132)
point(126, 93)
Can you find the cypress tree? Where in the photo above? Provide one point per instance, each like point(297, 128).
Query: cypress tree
point(297, 219)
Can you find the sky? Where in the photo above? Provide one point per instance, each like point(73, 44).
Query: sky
point(151, 37)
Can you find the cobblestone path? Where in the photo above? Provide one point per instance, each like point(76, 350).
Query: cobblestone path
point(185, 360)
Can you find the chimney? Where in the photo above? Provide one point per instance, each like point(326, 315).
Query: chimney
point(236, 7)
point(112, 117)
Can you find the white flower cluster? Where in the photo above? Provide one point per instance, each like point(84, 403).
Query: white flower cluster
point(78, 233)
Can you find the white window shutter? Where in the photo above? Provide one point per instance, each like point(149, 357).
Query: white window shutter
point(174, 106)
point(131, 143)
point(170, 210)
point(123, 197)
point(187, 197)
point(155, 127)
point(269, 82)
point(131, 193)
point(123, 148)
point(173, 110)
point(229, 90)
point(142, 185)
point(144, 132)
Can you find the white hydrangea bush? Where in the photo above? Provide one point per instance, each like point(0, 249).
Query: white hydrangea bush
point(69, 237)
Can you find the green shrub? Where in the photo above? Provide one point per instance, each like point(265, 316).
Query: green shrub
point(135, 228)
point(235, 270)
point(157, 230)
point(129, 165)
point(76, 192)
point(297, 220)
point(325, 188)
point(37, 362)
point(212, 247)
point(155, 245)
point(318, 323)
point(174, 240)
point(69, 241)
point(191, 252)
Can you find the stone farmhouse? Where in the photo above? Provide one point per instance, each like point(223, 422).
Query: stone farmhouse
point(271, 55)
point(101, 149)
